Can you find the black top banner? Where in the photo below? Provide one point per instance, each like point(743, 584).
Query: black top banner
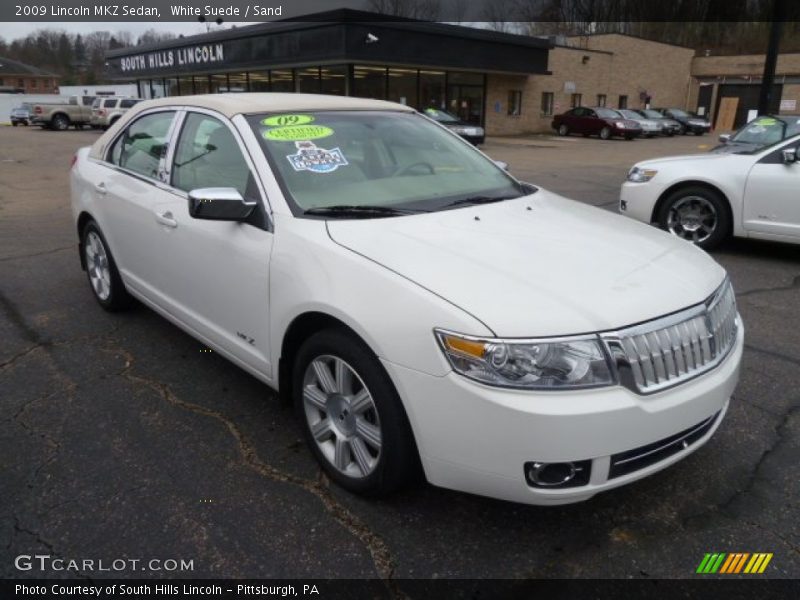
point(428, 10)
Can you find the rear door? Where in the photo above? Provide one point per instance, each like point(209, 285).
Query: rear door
point(128, 191)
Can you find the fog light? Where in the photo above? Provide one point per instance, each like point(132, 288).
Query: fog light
point(558, 475)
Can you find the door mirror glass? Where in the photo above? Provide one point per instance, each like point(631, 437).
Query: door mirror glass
point(725, 138)
point(789, 155)
point(219, 204)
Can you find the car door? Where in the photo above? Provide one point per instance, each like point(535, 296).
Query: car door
point(127, 193)
point(592, 123)
point(215, 274)
point(772, 195)
point(575, 120)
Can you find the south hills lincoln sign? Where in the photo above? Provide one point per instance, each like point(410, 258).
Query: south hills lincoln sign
point(203, 54)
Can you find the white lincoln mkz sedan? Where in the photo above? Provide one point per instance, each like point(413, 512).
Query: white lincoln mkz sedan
point(423, 309)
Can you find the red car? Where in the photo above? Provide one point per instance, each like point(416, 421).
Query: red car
point(601, 121)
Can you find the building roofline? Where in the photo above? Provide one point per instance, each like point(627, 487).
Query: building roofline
point(632, 35)
point(566, 47)
point(338, 17)
point(7, 66)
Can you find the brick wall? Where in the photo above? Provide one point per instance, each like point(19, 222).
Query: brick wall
point(746, 64)
point(612, 65)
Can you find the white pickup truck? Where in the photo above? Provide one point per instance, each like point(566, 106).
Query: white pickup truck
point(75, 111)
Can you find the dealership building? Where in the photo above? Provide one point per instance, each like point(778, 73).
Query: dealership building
point(508, 83)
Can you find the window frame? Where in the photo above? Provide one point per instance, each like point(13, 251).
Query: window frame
point(109, 150)
point(548, 111)
point(515, 100)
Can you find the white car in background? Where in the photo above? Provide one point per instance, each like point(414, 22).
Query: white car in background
point(706, 198)
point(419, 305)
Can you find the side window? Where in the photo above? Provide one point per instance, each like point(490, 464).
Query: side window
point(126, 103)
point(143, 144)
point(207, 155)
point(109, 103)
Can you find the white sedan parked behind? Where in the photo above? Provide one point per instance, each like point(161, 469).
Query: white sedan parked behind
point(421, 307)
point(706, 198)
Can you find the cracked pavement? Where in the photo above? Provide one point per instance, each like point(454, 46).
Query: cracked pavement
point(120, 438)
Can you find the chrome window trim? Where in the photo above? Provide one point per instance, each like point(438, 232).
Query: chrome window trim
point(165, 163)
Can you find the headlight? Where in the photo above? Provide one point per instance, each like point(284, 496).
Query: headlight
point(637, 175)
point(620, 124)
point(561, 363)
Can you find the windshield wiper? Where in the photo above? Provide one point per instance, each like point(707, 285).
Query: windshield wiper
point(360, 211)
point(480, 200)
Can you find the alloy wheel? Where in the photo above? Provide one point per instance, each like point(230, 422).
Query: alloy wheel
point(692, 218)
point(97, 265)
point(342, 417)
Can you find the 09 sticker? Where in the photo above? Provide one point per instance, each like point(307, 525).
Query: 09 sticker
point(297, 133)
point(286, 120)
point(309, 157)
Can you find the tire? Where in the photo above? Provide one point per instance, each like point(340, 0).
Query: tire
point(60, 122)
point(14, 123)
point(630, 137)
point(670, 133)
point(699, 132)
point(682, 131)
point(605, 133)
point(563, 130)
point(691, 207)
point(101, 270)
point(374, 443)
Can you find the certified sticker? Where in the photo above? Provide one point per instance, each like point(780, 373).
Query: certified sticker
point(286, 120)
point(297, 133)
point(317, 160)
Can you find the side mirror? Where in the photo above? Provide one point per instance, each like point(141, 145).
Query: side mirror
point(219, 204)
point(725, 138)
point(790, 155)
point(502, 164)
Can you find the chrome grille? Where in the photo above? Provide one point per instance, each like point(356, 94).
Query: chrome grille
point(662, 353)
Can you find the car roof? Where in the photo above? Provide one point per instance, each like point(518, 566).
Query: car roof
point(230, 104)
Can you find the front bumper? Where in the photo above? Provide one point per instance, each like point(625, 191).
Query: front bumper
point(638, 200)
point(477, 439)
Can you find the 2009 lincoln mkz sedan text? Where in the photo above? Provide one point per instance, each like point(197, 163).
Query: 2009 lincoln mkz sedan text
point(425, 311)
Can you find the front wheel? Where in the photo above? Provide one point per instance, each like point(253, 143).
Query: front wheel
point(563, 130)
point(352, 418)
point(104, 278)
point(699, 132)
point(698, 215)
point(605, 133)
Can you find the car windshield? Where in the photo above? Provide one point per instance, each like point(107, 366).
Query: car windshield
point(607, 113)
point(629, 114)
point(376, 160)
point(652, 114)
point(765, 131)
point(441, 115)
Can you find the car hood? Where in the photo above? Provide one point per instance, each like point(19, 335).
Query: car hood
point(539, 265)
point(733, 147)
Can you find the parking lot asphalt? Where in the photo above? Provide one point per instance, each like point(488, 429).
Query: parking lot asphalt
point(122, 438)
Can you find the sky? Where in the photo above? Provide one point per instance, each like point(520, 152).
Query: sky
point(12, 31)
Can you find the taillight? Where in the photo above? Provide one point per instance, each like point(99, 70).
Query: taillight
point(38, 110)
point(74, 160)
point(101, 112)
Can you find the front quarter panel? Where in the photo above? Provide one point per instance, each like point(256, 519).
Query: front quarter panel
point(394, 316)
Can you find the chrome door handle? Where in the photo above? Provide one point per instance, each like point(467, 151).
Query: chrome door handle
point(100, 188)
point(166, 218)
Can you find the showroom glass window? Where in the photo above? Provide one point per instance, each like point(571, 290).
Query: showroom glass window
point(143, 144)
point(186, 85)
point(547, 104)
point(201, 85)
point(237, 82)
point(282, 80)
point(219, 84)
point(333, 80)
point(369, 82)
point(307, 80)
point(207, 155)
point(259, 81)
point(403, 86)
point(432, 89)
